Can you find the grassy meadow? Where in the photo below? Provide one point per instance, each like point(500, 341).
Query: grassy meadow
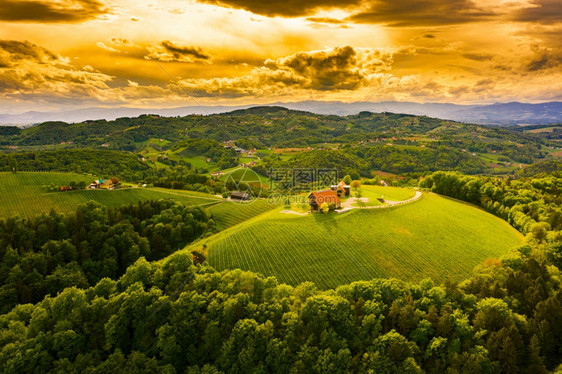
point(433, 237)
point(22, 194)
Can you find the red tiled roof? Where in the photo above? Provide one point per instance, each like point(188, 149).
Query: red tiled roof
point(327, 196)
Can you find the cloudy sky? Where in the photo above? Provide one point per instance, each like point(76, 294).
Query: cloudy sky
point(65, 54)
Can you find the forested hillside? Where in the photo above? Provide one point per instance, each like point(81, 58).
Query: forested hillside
point(44, 255)
point(264, 127)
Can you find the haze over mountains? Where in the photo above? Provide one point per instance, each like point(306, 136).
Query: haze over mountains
point(513, 113)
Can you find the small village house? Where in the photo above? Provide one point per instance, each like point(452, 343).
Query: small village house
point(317, 198)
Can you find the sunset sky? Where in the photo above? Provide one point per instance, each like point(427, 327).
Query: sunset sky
point(66, 54)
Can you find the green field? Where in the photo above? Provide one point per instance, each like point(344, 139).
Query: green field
point(22, 194)
point(388, 193)
point(433, 237)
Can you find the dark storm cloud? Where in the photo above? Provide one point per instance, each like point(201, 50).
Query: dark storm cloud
point(421, 13)
point(168, 51)
point(389, 12)
point(542, 11)
point(284, 8)
point(49, 11)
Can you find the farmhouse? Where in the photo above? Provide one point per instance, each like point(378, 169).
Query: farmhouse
point(317, 198)
point(65, 188)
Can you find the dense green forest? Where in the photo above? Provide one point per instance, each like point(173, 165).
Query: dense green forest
point(175, 317)
point(46, 254)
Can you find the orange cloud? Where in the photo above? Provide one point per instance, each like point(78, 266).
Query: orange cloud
point(50, 11)
point(168, 51)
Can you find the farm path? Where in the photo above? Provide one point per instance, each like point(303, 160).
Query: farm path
point(388, 203)
point(347, 205)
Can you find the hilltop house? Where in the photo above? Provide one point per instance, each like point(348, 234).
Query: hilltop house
point(341, 189)
point(317, 198)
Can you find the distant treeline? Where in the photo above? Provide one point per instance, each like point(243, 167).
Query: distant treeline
point(279, 127)
point(362, 161)
point(94, 161)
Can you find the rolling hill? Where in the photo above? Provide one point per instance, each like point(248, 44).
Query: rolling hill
point(22, 194)
point(434, 237)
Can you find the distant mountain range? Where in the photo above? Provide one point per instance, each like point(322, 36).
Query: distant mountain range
point(494, 114)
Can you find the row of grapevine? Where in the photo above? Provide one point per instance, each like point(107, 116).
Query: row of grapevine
point(435, 237)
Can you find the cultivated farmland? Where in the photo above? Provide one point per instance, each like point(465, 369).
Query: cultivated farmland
point(434, 237)
point(227, 214)
point(22, 194)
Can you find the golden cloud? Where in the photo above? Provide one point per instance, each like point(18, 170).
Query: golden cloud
point(168, 52)
point(337, 69)
point(27, 68)
point(421, 13)
point(388, 12)
point(284, 8)
point(540, 11)
point(50, 11)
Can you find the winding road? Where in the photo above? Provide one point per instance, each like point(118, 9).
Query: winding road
point(347, 205)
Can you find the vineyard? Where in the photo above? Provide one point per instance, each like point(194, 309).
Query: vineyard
point(227, 214)
point(434, 237)
point(23, 194)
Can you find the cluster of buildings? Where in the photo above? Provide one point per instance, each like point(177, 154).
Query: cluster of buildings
point(102, 183)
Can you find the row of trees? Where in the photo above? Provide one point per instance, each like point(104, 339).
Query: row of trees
point(96, 162)
point(531, 205)
point(50, 252)
point(174, 317)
